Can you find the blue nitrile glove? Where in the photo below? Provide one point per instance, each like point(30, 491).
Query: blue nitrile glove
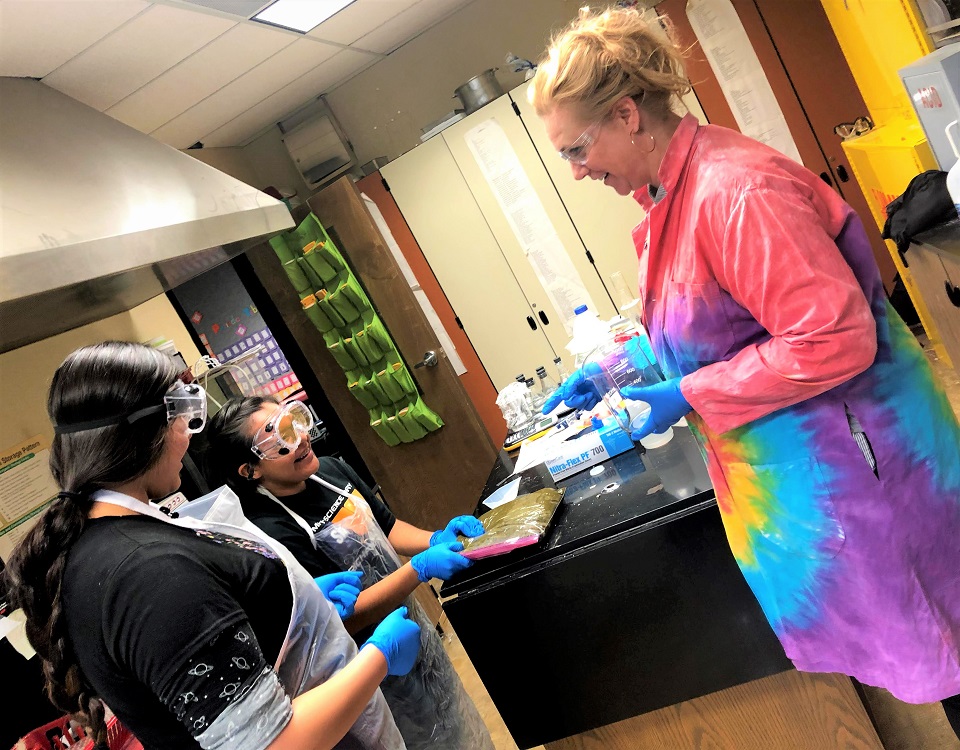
point(441, 561)
point(466, 525)
point(398, 639)
point(667, 405)
point(342, 590)
point(577, 391)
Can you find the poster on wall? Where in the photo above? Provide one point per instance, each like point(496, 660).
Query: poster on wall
point(528, 218)
point(735, 64)
point(26, 488)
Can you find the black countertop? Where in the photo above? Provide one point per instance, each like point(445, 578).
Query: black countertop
point(944, 238)
point(620, 494)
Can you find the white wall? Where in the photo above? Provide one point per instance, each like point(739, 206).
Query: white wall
point(384, 108)
point(25, 373)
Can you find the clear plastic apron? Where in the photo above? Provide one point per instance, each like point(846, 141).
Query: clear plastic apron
point(316, 645)
point(429, 704)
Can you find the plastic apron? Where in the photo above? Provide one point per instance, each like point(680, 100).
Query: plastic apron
point(316, 645)
point(429, 704)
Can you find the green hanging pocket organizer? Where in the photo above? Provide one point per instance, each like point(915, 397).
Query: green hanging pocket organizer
point(402, 375)
point(370, 384)
point(369, 347)
point(401, 432)
point(354, 292)
point(312, 276)
point(417, 430)
point(355, 352)
point(318, 263)
point(362, 394)
point(390, 386)
point(316, 315)
point(282, 249)
point(323, 299)
point(379, 423)
point(376, 329)
point(425, 416)
point(343, 305)
point(336, 347)
point(297, 277)
point(329, 253)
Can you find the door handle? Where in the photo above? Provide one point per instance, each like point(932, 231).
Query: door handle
point(532, 323)
point(842, 173)
point(430, 359)
point(953, 293)
point(543, 318)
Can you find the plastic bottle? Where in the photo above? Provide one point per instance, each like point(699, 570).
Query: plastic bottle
point(588, 332)
point(953, 176)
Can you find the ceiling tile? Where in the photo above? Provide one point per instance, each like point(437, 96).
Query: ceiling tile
point(226, 58)
point(241, 8)
point(407, 25)
point(358, 19)
point(290, 98)
point(38, 36)
point(135, 54)
point(247, 91)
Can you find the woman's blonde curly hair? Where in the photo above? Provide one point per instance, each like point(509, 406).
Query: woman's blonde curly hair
point(606, 55)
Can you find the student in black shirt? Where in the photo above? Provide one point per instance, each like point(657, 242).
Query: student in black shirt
point(177, 627)
point(331, 521)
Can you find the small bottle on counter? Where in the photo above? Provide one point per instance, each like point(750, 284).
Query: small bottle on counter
point(547, 384)
point(535, 399)
point(561, 370)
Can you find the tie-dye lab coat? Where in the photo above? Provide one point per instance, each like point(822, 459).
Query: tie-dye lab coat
point(759, 286)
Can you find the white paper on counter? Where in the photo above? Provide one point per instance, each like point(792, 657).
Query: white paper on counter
point(533, 452)
point(435, 323)
point(528, 219)
point(735, 64)
point(503, 495)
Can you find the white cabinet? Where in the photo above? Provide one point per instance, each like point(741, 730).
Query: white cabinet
point(474, 231)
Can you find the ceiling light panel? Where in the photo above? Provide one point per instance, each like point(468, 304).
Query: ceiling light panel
point(300, 15)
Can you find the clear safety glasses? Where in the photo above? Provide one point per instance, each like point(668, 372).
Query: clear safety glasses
point(187, 400)
point(579, 151)
point(281, 434)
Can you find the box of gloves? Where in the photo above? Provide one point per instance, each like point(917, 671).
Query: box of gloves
point(565, 456)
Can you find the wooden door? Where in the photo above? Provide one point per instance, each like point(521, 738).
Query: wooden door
point(475, 380)
point(466, 259)
point(812, 82)
point(428, 481)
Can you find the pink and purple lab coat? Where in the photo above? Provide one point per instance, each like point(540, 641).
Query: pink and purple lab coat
point(760, 288)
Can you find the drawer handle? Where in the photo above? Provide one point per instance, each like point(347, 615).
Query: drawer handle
point(953, 292)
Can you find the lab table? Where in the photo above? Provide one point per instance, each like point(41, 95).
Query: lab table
point(632, 602)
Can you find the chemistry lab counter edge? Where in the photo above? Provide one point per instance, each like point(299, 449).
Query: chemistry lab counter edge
point(632, 603)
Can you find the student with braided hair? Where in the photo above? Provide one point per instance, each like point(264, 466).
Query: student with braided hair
point(195, 633)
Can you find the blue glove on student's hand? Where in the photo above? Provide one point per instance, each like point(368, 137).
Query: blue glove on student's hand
point(441, 561)
point(667, 405)
point(466, 525)
point(577, 391)
point(398, 639)
point(342, 590)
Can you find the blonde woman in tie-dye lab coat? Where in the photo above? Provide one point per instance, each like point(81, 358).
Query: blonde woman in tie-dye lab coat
point(833, 450)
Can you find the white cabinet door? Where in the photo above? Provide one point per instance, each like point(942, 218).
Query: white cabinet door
point(604, 218)
point(463, 253)
point(525, 215)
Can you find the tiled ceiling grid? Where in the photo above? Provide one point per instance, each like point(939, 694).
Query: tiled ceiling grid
point(199, 71)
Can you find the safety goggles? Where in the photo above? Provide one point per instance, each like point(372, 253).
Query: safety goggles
point(579, 151)
point(281, 434)
point(187, 400)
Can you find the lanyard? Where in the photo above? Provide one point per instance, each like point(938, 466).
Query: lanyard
point(300, 520)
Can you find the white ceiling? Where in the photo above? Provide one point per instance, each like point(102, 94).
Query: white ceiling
point(184, 73)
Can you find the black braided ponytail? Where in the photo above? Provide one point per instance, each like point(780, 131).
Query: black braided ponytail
point(108, 379)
